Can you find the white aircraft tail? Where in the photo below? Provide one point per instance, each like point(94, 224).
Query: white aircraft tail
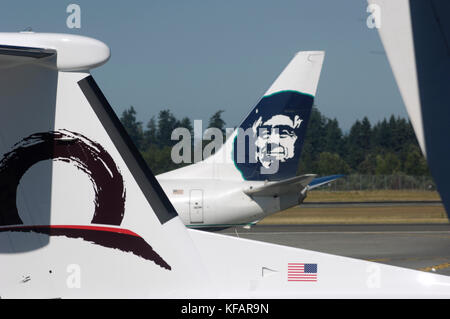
point(72, 181)
point(82, 216)
point(267, 144)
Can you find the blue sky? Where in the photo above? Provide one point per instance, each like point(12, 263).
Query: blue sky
point(196, 57)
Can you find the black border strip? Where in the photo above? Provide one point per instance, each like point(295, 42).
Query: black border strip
point(277, 308)
point(144, 177)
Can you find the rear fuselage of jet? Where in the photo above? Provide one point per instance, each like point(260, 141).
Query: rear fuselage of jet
point(208, 203)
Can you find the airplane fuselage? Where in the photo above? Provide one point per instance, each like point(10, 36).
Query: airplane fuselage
point(205, 203)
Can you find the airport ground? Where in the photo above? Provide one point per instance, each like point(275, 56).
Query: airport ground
point(407, 230)
point(371, 196)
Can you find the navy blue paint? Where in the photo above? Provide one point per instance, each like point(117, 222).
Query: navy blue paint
point(323, 179)
point(288, 103)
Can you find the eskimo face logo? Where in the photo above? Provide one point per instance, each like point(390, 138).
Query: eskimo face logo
point(275, 138)
point(269, 141)
point(92, 159)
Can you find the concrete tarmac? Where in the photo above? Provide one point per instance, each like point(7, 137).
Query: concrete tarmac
point(423, 247)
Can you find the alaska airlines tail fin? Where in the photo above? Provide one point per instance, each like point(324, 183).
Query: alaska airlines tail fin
point(268, 143)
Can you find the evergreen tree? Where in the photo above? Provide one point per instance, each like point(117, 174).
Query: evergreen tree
point(415, 163)
point(365, 139)
point(331, 163)
point(187, 124)
point(382, 135)
point(159, 159)
point(355, 153)
point(314, 142)
point(150, 135)
point(369, 165)
point(333, 137)
point(217, 121)
point(166, 124)
point(387, 164)
point(132, 126)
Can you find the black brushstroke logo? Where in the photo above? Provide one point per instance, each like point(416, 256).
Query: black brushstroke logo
point(69, 147)
point(92, 159)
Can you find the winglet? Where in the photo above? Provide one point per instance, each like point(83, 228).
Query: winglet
point(317, 182)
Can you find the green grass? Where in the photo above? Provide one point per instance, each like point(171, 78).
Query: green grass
point(371, 196)
point(363, 215)
point(359, 215)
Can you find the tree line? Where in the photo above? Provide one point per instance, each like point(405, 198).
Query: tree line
point(385, 148)
point(154, 141)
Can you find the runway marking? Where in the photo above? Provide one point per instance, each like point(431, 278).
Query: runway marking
point(437, 267)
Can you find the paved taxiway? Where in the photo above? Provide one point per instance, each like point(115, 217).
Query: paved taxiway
point(421, 247)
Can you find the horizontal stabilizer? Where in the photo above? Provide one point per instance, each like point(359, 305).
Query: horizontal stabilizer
point(317, 182)
point(75, 53)
point(296, 183)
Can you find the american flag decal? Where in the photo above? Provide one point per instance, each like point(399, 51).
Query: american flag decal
point(302, 272)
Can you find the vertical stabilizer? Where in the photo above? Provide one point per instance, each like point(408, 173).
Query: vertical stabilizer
point(72, 181)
